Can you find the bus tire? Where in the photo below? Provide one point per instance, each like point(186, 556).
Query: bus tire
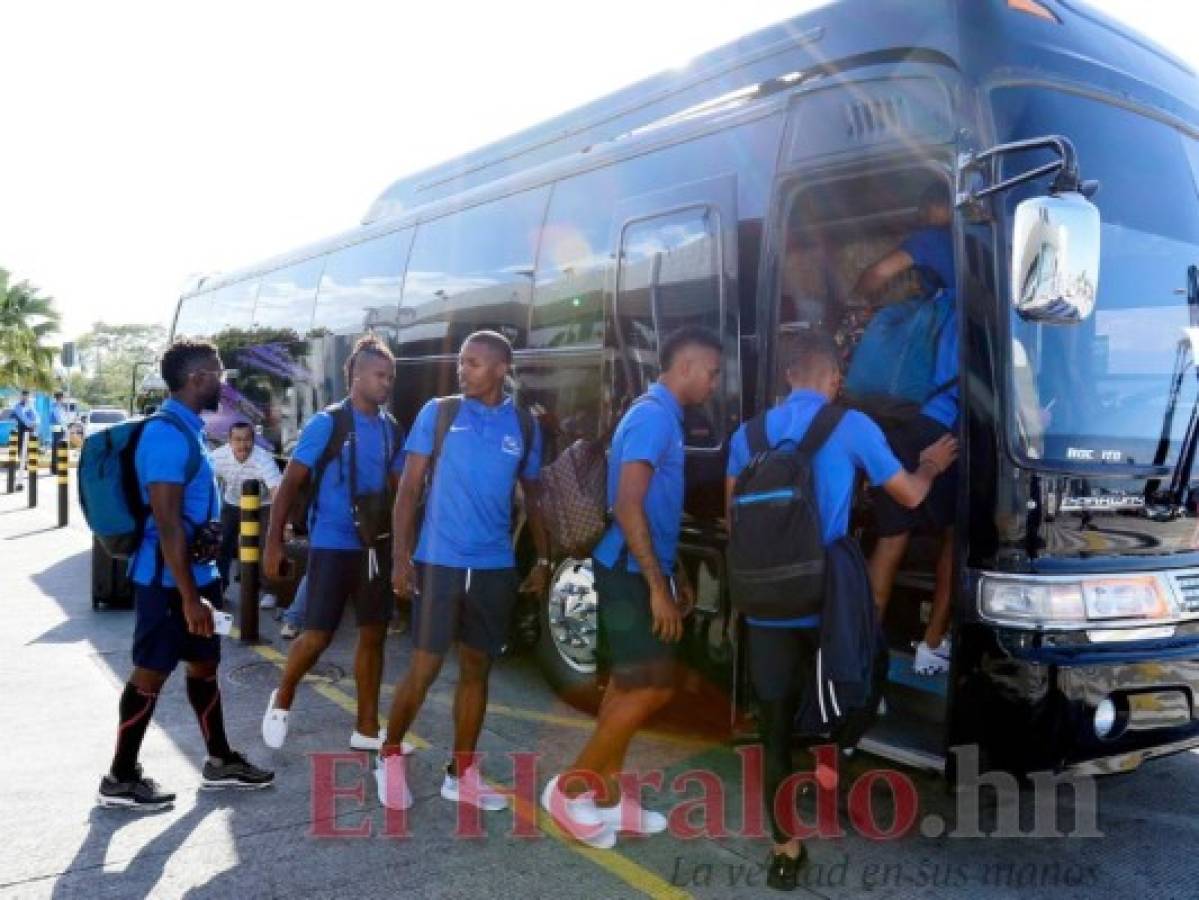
point(567, 635)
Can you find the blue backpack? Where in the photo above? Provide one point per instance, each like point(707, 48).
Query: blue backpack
point(897, 355)
point(109, 493)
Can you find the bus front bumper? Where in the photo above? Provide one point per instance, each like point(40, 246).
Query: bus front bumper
point(1036, 702)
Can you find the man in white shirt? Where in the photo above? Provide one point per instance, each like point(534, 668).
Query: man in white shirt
point(240, 460)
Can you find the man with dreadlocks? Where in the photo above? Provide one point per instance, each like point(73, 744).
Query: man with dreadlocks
point(352, 453)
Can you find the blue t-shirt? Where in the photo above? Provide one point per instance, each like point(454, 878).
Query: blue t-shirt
point(468, 513)
point(931, 250)
point(161, 458)
point(651, 431)
point(944, 406)
point(857, 443)
point(331, 519)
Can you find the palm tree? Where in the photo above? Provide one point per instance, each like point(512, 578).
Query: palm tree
point(26, 319)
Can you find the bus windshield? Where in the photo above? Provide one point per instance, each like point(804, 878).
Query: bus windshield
point(1119, 388)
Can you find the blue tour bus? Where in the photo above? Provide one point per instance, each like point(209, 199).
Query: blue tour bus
point(746, 193)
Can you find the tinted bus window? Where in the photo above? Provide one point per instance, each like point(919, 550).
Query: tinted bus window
point(287, 296)
point(470, 270)
point(192, 320)
point(568, 299)
point(360, 287)
point(669, 278)
point(233, 306)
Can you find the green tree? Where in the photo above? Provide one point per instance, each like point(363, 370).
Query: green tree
point(26, 320)
point(108, 355)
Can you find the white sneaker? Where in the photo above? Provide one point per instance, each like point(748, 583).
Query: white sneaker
point(274, 724)
point(931, 661)
point(578, 817)
point(360, 741)
point(392, 782)
point(630, 816)
point(469, 787)
point(268, 601)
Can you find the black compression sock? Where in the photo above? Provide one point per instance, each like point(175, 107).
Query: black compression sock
point(136, 710)
point(205, 697)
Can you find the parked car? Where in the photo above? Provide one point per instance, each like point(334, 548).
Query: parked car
point(99, 419)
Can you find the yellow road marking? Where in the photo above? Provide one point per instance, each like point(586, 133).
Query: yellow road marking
point(633, 874)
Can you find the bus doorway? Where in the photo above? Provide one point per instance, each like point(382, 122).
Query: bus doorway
point(839, 230)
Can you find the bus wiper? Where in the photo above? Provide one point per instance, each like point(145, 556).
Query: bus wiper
point(1171, 504)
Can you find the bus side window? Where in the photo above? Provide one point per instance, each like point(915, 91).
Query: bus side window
point(359, 292)
point(470, 270)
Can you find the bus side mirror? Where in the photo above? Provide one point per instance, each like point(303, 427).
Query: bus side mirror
point(1055, 258)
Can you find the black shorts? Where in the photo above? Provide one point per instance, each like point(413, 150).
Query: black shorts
point(160, 635)
point(781, 660)
point(470, 606)
point(628, 647)
point(337, 577)
point(937, 512)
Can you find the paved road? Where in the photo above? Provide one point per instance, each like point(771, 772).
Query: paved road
point(62, 667)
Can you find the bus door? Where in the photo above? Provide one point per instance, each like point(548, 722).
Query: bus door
point(676, 255)
point(859, 162)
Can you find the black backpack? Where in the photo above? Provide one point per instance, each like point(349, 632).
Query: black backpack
point(776, 553)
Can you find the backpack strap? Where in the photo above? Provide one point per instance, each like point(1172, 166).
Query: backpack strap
point(941, 389)
point(755, 435)
point(190, 470)
point(343, 425)
point(820, 430)
point(526, 436)
point(447, 412)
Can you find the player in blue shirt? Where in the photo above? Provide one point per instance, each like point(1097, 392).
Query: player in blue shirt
point(929, 252)
point(349, 535)
point(174, 592)
point(643, 594)
point(462, 575)
point(27, 423)
point(781, 651)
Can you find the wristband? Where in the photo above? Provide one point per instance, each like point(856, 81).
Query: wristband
point(541, 561)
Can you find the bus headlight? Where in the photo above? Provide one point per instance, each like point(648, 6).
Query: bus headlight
point(1064, 602)
point(1134, 597)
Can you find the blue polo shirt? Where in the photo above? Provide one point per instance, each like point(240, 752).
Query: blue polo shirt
point(161, 458)
point(468, 513)
point(652, 432)
point(857, 443)
point(931, 250)
point(331, 519)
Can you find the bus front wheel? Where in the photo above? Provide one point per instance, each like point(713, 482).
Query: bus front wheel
point(566, 644)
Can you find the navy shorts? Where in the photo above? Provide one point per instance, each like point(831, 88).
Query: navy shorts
point(936, 513)
point(628, 648)
point(339, 577)
point(160, 635)
point(471, 606)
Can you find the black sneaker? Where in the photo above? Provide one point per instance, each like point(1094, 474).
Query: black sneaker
point(235, 772)
point(782, 872)
point(137, 793)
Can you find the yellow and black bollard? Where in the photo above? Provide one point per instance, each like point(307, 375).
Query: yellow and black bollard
point(63, 471)
point(14, 458)
point(248, 554)
point(32, 462)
